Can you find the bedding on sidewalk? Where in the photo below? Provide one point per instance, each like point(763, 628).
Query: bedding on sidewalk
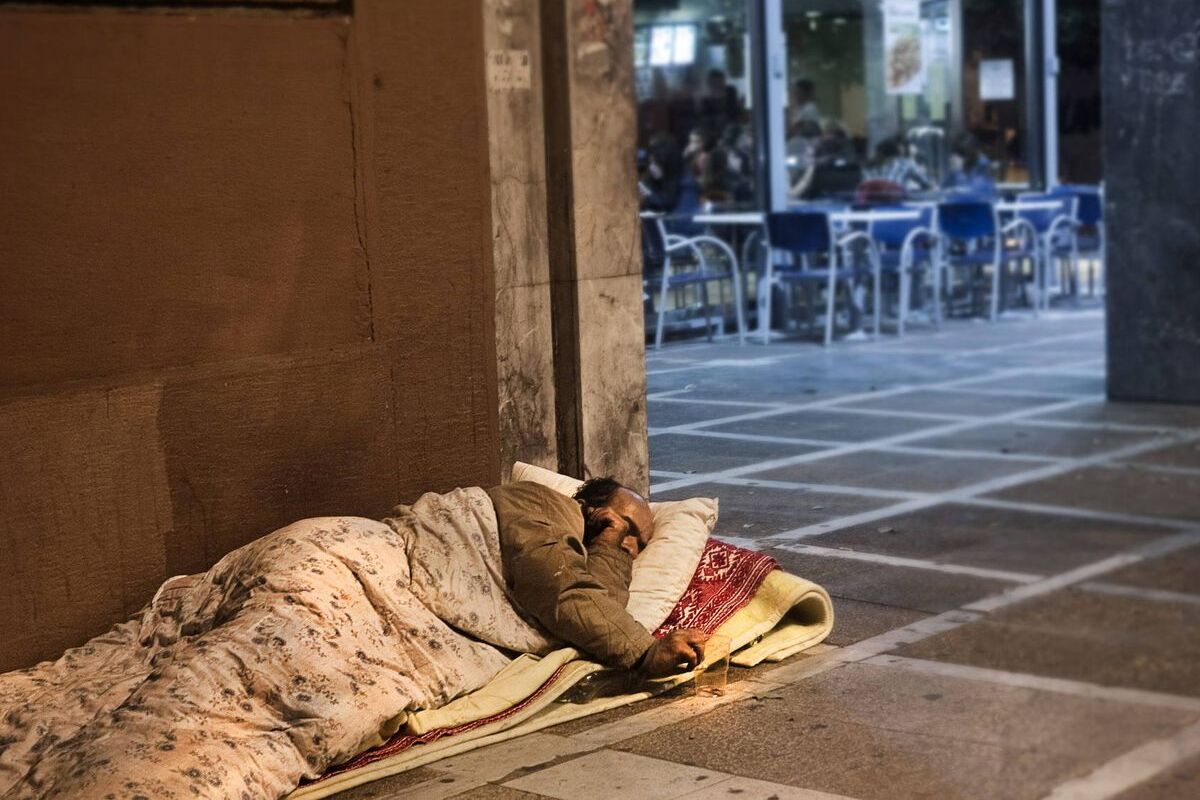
point(768, 615)
point(337, 650)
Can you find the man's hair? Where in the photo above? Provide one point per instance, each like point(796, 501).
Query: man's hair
point(596, 493)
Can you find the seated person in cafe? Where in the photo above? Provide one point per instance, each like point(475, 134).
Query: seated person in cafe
point(834, 170)
point(569, 563)
point(970, 170)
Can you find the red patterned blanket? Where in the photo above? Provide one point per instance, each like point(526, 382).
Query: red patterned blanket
point(725, 580)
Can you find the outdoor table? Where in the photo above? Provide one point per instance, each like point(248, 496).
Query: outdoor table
point(1029, 205)
point(730, 218)
point(839, 218)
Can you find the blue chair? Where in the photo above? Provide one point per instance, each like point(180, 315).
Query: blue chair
point(1055, 232)
point(804, 236)
point(973, 223)
point(1087, 234)
point(905, 248)
point(659, 249)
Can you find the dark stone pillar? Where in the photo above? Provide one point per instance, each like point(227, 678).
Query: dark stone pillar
point(1151, 86)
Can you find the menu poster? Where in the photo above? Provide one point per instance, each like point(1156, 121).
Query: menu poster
point(996, 79)
point(903, 62)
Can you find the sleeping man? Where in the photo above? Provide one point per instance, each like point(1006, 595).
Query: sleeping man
point(569, 563)
point(312, 644)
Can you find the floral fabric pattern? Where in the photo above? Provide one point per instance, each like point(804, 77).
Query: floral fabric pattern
point(291, 655)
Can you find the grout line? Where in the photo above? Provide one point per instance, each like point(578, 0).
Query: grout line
point(1082, 513)
point(785, 409)
point(902, 438)
point(983, 487)
point(1163, 469)
point(1132, 768)
point(832, 402)
point(940, 452)
point(792, 672)
point(867, 349)
point(654, 718)
point(982, 392)
point(892, 413)
point(734, 403)
point(913, 563)
point(751, 362)
point(667, 394)
point(756, 437)
point(1028, 681)
point(1157, 595)
point(1159, 547)
point(1114, 427)
point(666, 473)
point(822, 488)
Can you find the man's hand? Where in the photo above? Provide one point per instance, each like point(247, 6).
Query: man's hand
point(614, 531)
point(671, 653)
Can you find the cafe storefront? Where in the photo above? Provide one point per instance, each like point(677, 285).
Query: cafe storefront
point(762, 81)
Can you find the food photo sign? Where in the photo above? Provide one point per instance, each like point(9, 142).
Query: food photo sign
point(903, 61)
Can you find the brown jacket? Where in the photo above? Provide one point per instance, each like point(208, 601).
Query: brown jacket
point(577, 592)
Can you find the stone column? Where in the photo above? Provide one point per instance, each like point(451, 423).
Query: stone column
point(1151, 86)
point(595, 252)
point(516, 136)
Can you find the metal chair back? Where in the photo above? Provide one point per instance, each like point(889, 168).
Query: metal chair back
point(892, 233)
point(654, 244)
point(967, 219)
point(1043, 220)
point(801, 232)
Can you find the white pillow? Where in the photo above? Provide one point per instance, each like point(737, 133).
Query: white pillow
point(662, 572)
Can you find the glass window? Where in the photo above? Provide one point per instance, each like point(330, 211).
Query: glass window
point(922, 93)
point(695, 133)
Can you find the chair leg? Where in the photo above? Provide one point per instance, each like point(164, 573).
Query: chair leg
point(904, 303)
point(741, 306)
point(830, 303)
point(662, 304)
point(877, 268)
point(1036, 300)
point(996, 268)
point(708, 332)
point(764, 302)
point(938, 267)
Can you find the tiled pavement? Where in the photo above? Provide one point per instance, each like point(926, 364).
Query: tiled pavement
point(1015, 566)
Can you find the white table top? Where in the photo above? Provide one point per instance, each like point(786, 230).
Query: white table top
point(867, 215)
point(730, 218)
point(758, 217)
point(1030, 205)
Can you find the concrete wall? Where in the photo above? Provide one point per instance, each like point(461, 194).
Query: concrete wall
point(247, 279)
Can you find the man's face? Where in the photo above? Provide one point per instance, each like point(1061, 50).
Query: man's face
point(633, 510)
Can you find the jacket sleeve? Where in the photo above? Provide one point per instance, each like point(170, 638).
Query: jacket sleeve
point(578, 597)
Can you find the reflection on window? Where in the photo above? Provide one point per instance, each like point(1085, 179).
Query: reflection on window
point(696, 144)
point(670, 45)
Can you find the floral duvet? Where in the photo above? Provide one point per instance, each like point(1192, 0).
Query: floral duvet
point(292, 654)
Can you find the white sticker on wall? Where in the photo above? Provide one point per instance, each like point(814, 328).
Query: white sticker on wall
point(508, 70)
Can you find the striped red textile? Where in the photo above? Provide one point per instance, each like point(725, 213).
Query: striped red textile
point(725, 580)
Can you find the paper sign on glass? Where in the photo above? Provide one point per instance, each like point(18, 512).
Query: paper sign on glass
point(996, 79)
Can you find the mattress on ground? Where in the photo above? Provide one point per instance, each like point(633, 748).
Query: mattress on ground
point(767, 614)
